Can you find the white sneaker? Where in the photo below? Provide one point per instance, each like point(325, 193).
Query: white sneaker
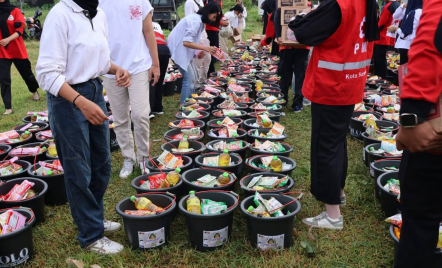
point(324, 221)
point(143, 167)
point(105, 246)
point(128, 168)
point(306, 102)
point(151, 116)
point(110, 226)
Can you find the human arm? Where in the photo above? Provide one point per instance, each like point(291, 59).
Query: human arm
point(19, 25)
point(149, 36)
point(318, 25)
point(277, 23)
point(192, 45)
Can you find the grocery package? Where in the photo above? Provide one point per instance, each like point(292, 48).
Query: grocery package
point(192, 107)
point(25, 151)
point(266, 163)
point(204, 206)
point(185, 123)
point(47, 169)
point(228, 104)
point(19, 192)
point(169, 161)
point(277, 131)
point(364, 117)
point(268, 146)
point(265, 183)
point(211, 181)
point(266, 208)
point(161, 180)
point(273, 100)
point(144, 207)
point(191, 133)
point(222, 145)
point(228, 131)
point(11, 221)
point(8, 167)
point(392, 186)
point(227, 112)
point(11, 136)
point(192, 114)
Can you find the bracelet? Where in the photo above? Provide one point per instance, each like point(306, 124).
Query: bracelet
point(73, 102)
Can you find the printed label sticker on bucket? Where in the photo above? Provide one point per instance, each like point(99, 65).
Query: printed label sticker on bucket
point(371, 171)
point(270, 242)
point(13, 260)
point(151, 239)
point(363, 154)
point(215, 238)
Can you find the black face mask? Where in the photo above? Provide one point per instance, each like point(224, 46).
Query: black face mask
point(89, 5)
point(5, 12)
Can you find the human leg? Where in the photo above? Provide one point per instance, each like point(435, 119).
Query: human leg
point(5, 82)
point(299, 69)
point(189, 80)
point(380, 60)
point(24, 68)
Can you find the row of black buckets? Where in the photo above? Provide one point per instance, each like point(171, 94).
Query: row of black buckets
point(209, 232)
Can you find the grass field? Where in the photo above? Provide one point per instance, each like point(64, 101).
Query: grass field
point(364, 242)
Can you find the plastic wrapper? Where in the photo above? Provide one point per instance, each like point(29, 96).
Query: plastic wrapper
point(363, 117)
point(169, 161)
point(209, 207)
point(211, 161)
point(395, 220)
point(393, 186)
point(192, 114)
point(185, 123)
point(9, 167)
point(11, 221)
point(18, 192)
point(139, 212)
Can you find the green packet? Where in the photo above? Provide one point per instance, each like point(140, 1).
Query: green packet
point(209, 207)
point(280, 147)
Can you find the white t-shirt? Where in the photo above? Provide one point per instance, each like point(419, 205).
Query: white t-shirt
point(126, 40)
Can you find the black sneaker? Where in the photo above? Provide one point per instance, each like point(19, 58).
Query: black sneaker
point(297, 109)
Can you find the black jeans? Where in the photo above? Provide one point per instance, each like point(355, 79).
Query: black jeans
point(213, 37)
point(24, 68)
point(156, 92)
point(328, 157)
point(404, 55)
point(420, 176)
point(293, 61)
point(380, 60)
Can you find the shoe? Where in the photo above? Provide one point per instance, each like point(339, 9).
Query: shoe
point(297, 109)
point(110, 226)
point(324, 221)
point(143, 167)
point(306, 102)
point(343, 201)
point(8, 111)
point(158, 112)
point(35, 96)
point(128, 168)
point(105, 246)
point(151, 116)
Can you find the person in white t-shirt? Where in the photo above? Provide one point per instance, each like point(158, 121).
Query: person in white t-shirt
point(225, 33)
point(192, 7)
point(133, 46)
point(241, 19)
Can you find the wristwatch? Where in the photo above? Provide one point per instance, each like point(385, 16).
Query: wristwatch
point(408, 120)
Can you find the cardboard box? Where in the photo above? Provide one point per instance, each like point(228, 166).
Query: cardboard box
point(286, 42)
point(287, 13)
point(293, 3)
point(257, 37)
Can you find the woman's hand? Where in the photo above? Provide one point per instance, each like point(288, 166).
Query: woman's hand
point(123, 77)
point(201, 55)
point(93, 113)
point(154, 73)
point(392, 28)
point(211, 50)
point(4, 42)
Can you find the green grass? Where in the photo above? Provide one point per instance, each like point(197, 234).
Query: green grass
point(364, 242)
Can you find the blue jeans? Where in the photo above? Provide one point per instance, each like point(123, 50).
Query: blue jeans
point(189, 81)
point(83, 150)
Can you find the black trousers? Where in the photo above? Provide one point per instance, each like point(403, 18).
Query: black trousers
point(380, 60)
point(265, 18)
point(404, 55)
point(328, 157)
point(293, 61)
point(420, 176)
point(213, 37)
point(24, 68)
point(156, 92)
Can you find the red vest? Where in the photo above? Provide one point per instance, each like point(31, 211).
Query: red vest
point(385, 20)
point(214, 28)
point(16, 49)
point(338, 68)
point(160, 39)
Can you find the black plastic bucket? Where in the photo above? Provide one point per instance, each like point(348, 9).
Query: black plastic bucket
point(242, 107)
point(374, 157)
point(193, 174)
point(25, 165)
point(187, 164)
point(31, 158)
point(41, 138)
point(136, 183)
point(197, 123)
point(15, 144)
point(241, 135)
point(272, 232)
point(41, 126)
point(242, 115)
point(242, 151)
point(214, 123)
point(206, 106)
point(27, 120)
point(56, 194)
point(17, 248)
point(367, 141)
point(252, 137)
point(276, 116)
point(382, 125)
point(257, 160)
point(356, 126)
point(204, 115)
point(288, 150)
point(389, 203)
point(199, 147)
point(248, 123)
point(4, 148)
point(178, 84)
point(376, 171)
point(262, 100)
point(154, 228)
point(171, 133)
point(37, 203)
point(235, 158)
point(169, 88)
point(209, 232)
point(248, 191)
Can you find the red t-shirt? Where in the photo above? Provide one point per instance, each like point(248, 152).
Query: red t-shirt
point(214, 28)
point(16, 48)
